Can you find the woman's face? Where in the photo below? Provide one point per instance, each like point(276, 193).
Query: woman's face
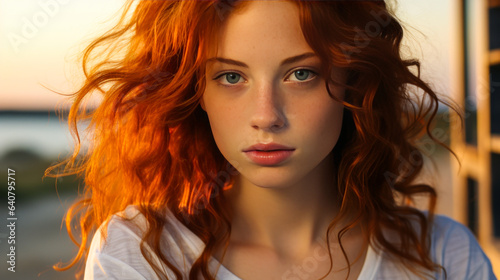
point(270, 113)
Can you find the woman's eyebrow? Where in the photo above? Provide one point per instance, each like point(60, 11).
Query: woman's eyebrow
point(289, 60)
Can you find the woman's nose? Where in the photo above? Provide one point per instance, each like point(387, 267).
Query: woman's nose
point(268, 113)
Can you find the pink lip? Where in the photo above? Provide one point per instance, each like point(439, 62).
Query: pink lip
point(268, 154)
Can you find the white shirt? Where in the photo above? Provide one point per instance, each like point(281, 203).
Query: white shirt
point(453, 246)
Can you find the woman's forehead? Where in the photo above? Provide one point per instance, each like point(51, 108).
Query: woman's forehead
point(262, 27)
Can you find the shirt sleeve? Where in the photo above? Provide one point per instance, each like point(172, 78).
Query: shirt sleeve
point(119, 257)
point(458, 251)
point(103, 266)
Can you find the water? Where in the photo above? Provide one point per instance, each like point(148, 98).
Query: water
point(40, 133)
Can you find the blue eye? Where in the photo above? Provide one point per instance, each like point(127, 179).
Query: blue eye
point(302, 75)
point(231, 78)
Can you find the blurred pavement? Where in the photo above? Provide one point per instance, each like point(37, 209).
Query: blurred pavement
point(40, 241)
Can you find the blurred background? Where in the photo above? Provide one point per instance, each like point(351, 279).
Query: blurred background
point(457, 41)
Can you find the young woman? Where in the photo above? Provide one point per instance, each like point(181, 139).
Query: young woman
point(259, 140)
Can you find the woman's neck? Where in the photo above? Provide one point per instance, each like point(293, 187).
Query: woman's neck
point(276, 218)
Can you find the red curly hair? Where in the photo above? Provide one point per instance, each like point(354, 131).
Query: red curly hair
point(151, 143)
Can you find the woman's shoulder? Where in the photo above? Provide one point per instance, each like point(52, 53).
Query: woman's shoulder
point(131, 225)
point(448, 235)
point(127, 225)
point(452, 246)
point(118, 251)
point(455, 248)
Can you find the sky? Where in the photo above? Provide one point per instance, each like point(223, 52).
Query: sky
point(40, 41)
point(39, 44)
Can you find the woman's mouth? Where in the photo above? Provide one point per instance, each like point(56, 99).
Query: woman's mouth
point(268, 154)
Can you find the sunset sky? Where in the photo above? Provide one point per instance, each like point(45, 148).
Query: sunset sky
point(40, 41)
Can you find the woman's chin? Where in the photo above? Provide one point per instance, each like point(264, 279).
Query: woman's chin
point(269, 181)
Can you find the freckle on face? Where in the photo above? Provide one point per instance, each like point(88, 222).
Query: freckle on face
point(265, 106)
